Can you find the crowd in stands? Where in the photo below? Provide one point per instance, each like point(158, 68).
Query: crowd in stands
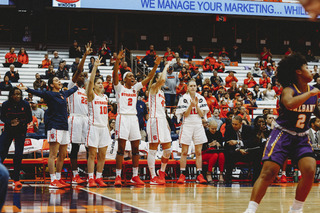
point(231, 106)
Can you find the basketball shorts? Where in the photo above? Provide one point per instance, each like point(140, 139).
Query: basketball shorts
point(78, 128)
point(60, 136)
point(195, 133)
point(127, 127)
point(98, 137)
point(158, 130)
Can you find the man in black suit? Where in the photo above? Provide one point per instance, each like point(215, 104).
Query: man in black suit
point(238, 138)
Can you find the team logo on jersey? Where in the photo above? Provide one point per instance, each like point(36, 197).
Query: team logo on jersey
point(185, 101)
point(62, 97)
point(155, 137)
point(52, 135)
point(134, 91)
point(201, 100)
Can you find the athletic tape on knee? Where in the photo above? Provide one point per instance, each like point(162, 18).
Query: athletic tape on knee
point(152, 152)
point(120, 153)
point(166, 153)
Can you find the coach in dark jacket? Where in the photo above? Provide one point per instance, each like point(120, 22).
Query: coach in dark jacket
point(15, 114)
point(238, 138)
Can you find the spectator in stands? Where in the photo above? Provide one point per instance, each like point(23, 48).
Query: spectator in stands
point(39, 84)
point(269, 70)
point(180, 51)
point(91, 63)
point(269, 94)
point(210, 150)
point(10, 57)
point(219, 66)
point(32, 128)
point(207, 83)
point(108, 86)
point(230, 78)
point(23, 57)
point(151, 48)
point(238, 138)
point(103, 57)
point(149, 59)
point(192, 65)
point(289, 52)
point(75, 50)
point(215, 78)
point(216, 117)
point(207, 67)
point(235, 54)
point(194, 53)
point(113, 59)
point(37, 112)
point(124, 68)
point(184, 75)
point(249, 81)
point(170, 87)
point(277, 88)
point(244, 91)
point(223, 51)
point(317, 85)
point(315, 72)
point(256, 93)
point(264, 80)
point(46, 62)
point(29, 98)
point(181, 89)
point(265, 54)
point(233, 89)
point(169, 55)
point(212, 101)
point(55, 61)
point(5, 85)
point(50, 73)
point(211, 59)
point(13, 75)
point(15, 114)
point(255, 70)
point(314, 133)
point(269, 119)
point(274, 67)
point(225, 59)
point(177, 67)
point(104, 50)
point(243, 113)
point(250, 102)
point(75, 65)
point(198, 76)
point(62, 72)
point(310, 57)
point(98, 75)
point(112, 114)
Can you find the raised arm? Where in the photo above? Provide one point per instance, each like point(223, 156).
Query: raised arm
point(39, 93)
point(155, 87)
point(292, 102)
point(115, 75)
point(90, 94)
point(153, 71)
point(80, 67)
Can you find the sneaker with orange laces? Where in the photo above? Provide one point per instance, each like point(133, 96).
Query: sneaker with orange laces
point(181, 179)
point(136, 180)
point(283, 179)
point(64, 183)
point(100, 182)
point(156, 181)
point(56, 185)
point(201, 180)
point(17, 185)
point(118, 181)
point(162, 176)
point(77, 180)
point(91, 183)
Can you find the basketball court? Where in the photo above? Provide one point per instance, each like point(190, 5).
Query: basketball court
point(172, 197)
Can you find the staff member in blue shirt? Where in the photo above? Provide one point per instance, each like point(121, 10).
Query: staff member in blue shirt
point(57, 124)
point(15, 114)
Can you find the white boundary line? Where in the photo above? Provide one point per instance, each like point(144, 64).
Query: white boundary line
point(84, 189)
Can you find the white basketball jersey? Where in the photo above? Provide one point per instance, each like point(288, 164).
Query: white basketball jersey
point(98, 111)
point(78, 101)
point(157, 105)
point(127, 98)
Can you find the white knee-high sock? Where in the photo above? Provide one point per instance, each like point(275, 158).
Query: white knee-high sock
point(151, 162)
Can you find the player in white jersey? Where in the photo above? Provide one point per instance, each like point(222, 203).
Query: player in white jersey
point(78, 119)
point(157, 128)
point(127, 125)
point(193, 108)
point(98, 137)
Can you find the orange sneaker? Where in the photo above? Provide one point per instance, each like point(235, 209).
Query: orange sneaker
point(91, 183)
point(17, 185)
point(182, 179)
point(77, 180)
point(201, 180)
point(283, 179)
point(136, 180)
point(100, 182)
point(162, 176)
point(56, 185)
point(118, 181)
point(156, 181)
point(64, 183)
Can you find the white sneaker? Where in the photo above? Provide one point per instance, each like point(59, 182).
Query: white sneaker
point(249, 211)
point(295, 211)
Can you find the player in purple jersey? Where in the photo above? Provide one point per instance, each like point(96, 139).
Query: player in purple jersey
point(290, 137)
